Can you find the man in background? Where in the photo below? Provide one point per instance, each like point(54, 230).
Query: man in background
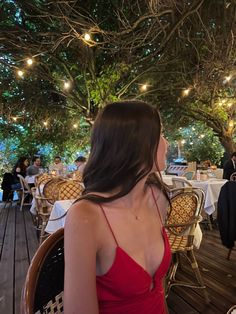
point(57, 165)
point(34, 168)
point(229, 166)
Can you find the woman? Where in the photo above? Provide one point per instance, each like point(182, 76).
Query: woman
point(116, 249)
point(19, 168)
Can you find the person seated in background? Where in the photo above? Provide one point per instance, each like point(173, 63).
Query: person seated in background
point(229, 166)
point(33, 170)
point(80, 163)
point(19, 168)
point(57, 165)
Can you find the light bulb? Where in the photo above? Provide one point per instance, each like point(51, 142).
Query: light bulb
point(20, 73)
point(29, 61)
point(87, 37)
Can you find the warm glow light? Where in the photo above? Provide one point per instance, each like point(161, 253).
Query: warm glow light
point(183, 142)
point(14, 118)
point(75, 126)
point(29, 61)
point(186, 92)
point(220, 104)
point(67, 85)
point(45, 123)
point(202, 135)
point(231, 123)
point(143, 87)
point(87, 37)
point(228, 78)
point(229, 104)
point(20, 73)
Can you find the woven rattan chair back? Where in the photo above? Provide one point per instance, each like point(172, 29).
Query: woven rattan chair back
point(233, 177)
point(69, 190)
point(77, 175)
point(51, 190)
point(42, 179)
point(44, 285)
point(185, 207)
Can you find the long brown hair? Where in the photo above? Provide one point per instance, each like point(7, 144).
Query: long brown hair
point(124, 144)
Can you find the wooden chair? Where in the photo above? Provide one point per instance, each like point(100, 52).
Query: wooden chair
point(25, 191)
point(233, 177)
point(44, 284)
point(182, 218)
point(69, 190)
point(180, 182)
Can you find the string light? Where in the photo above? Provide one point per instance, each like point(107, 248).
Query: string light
point(228, 78)
point(220, 104)
point(202, 136)
point(186, 92)
point(229, 104)
point(45, 123)
point(14, 119)
point(87, 37)
point(67, 85)
point(75, 126)
point(183, 142)
point(29, 61)
point(143, 87)
point(20, 73)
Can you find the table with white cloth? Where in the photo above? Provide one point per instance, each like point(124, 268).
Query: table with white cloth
point(30, 179)
point(212, 189)
point(58, 210)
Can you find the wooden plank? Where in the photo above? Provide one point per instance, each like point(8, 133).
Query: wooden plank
point(31, 235)
point(21, 258)
point(3, 224)
point(7, 266)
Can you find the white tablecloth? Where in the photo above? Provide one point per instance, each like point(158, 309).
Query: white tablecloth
point(212, 189)
point(58, 210)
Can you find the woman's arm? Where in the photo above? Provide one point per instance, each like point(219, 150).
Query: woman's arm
point(80, 295)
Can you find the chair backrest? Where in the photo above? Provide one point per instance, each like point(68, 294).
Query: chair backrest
point(44, 284)
point(50, 190)
point(185, 210)
point(69, 190)
point(232, 310)
point(189, 175)
point(42, 178)
point(233, 177)
point(24, 184)
point(180, 182)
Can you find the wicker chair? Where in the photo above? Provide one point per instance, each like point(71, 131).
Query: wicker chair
point(182, 218)
point(50, 190)
point(233, 177)
point(180, 182)
point(25, 191)
point(44, 284)
point(232, 310)
point(69, 190)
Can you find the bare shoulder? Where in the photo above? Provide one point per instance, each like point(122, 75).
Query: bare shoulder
point(83, 210)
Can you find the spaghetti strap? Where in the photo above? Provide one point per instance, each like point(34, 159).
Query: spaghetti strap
point(157, 206)
point(109, 224)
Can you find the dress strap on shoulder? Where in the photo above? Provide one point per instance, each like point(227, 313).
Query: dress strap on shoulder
point(108, 224)
point(156, 206)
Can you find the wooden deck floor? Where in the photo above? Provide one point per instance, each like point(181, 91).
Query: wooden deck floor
point(18, 242)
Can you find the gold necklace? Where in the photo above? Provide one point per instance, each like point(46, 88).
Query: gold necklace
point(136, 216)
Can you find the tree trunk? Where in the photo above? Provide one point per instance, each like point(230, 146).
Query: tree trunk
point(228, 144)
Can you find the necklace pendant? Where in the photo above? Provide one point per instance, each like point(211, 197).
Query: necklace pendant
point(137, 218)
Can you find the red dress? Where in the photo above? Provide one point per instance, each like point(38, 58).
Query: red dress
point(126, 287)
